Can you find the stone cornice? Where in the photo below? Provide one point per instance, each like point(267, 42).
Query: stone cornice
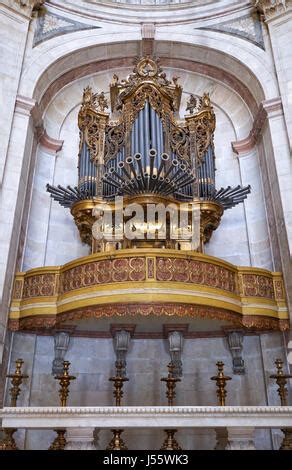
point(48, 143)
point(24, 105)
point(147, 416)
point(267, 109)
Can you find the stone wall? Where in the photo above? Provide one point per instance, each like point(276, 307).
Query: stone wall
point(92, 362)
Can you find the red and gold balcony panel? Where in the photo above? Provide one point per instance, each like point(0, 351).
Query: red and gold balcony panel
point(143, 282)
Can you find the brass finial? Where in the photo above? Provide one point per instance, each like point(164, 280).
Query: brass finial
point(118, 381)
point(16, 380)
point(170, 384)
point(221, 380)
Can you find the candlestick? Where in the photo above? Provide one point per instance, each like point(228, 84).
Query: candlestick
point(16, 380)
point(117, 443)
point(60, 441)
point(118, 381)
point(170, 384)
point(170, 442)
point(8, 442)
point(221, 380)
point(281, 381)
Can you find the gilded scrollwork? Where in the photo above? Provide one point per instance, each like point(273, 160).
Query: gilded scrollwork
point(180, 141)
point(41, 285)
point(114, 141)
point(103, 272)
point(92, 121)
point(258, 286)
point(196, 272)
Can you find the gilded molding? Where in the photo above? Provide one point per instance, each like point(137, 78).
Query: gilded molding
point(145, 282)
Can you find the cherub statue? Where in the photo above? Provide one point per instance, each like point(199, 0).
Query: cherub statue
point(206, 100)
point(89, 98)
point(102, 102)
point(115, 80)
point(162, 79)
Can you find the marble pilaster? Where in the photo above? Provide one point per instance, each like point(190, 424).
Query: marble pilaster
point(240, 439)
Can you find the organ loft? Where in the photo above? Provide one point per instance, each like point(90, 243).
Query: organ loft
point(149, 304)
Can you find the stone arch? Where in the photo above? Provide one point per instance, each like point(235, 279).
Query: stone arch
point(50, 92)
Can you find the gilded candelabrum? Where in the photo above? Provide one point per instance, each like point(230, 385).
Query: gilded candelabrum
point(281, 380)
point(221, 380)
point(8, 443)
point(16, 381)
point(117, 443)
point(118, 381)
point(170, 442)
point(64, 380)
point(170, 384)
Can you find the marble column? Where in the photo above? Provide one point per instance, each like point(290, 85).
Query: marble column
point(13, 191)
point(81, 439)
point(240, 439)
point(14, 26)
point(254, 205)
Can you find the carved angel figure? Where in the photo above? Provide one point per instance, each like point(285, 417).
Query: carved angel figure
point(192, 104)
point(102, 101)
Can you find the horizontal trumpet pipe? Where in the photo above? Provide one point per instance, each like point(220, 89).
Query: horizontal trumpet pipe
point(130, 162)
point(122, 166)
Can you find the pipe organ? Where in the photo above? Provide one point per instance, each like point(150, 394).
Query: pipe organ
point(144, 152)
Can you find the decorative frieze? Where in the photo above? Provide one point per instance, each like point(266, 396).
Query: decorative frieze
point(172, 284)
point(196, 272)
point(103, 272)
